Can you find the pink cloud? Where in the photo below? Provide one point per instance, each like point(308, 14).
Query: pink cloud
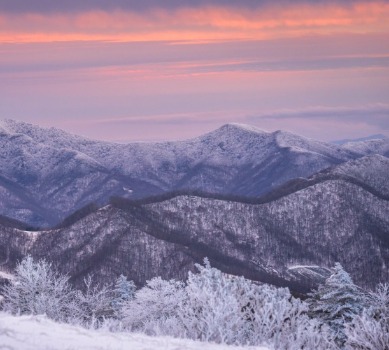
point(194, 24)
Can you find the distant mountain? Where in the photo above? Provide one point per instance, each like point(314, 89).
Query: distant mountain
point(360, 139)
point(46, 174)
point(290, 236)
point(369, 147)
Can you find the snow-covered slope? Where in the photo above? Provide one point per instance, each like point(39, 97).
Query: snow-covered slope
point(361, 139)
point(40, 333)
point(47, 173)
point(372, 170)
point(369, 147)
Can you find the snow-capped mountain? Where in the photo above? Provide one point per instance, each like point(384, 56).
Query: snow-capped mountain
point(361, 139)
point(369, 147)
point(289, 237)
point(46, 174)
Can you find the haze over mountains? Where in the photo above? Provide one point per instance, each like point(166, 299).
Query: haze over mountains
point(276, 207)
point(48, 174)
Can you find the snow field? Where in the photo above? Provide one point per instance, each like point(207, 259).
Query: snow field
point(40, 333)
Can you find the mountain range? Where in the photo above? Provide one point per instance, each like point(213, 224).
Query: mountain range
point(274, 207)
point(47, 174)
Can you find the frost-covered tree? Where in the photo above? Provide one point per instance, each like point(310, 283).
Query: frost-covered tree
point(378, 301)
point(337, 301)
point(213, 306)
point(282, 321)
point(38, 288)
point(217, 306)
point(124, 291)
point(365, 332)
point(95, 303)
point(154, 308)
point(234, 310)
point(370, 331)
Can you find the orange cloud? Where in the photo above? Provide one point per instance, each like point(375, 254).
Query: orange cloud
point(200, 24)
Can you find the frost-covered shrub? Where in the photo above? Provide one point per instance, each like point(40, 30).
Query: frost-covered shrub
point(365, 332)
point(39, 289)
point(211, 306)
point(282, 320)
point(154, 308)
point(95, 304)
point(378, 301)
point(234, 310)
point(217, 307)
point(370, 331)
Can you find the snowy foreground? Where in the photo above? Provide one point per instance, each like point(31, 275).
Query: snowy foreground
point(38, 332)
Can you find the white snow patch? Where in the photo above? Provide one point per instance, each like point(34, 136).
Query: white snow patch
point(6, 275)
point(33, 235)
point(129, 190)
point(38, 332)
point(302, 267)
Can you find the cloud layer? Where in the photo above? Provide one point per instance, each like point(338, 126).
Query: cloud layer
point(49, 6)
point(204, 23)
point(174, 69)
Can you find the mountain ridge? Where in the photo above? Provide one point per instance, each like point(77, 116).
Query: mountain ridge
point(311, 226)
point(60, 172)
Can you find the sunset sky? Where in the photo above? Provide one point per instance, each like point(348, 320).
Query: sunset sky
point(157, 70)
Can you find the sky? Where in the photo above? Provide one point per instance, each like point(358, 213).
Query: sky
point(126, 70)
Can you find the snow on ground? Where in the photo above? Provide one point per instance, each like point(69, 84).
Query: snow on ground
point(40, 333)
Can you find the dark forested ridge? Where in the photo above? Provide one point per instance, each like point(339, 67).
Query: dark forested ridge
point(288, 238)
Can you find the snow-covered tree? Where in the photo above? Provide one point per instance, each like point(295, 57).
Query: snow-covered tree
point(365, 332)
point(217, 306)
point(378, 301)
point(95, 303)
point(370, 331)
point(38, 288)
point(234, 310)
point(211, 306)
point(337, 301)
point(282, 321)
point(154, 308)
point(124, 291)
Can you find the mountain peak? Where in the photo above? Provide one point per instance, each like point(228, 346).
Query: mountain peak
point(5, 124)
point(233, 131)
point(244, 127)
point(235, 128)
point(12, 124)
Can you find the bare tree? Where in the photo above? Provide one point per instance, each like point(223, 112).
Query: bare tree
point(39, 289)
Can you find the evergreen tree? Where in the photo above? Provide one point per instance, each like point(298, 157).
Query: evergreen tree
point(124, 291)
point(337, 301)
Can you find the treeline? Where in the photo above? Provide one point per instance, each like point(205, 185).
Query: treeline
point(210, 306)
point(283, 190)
